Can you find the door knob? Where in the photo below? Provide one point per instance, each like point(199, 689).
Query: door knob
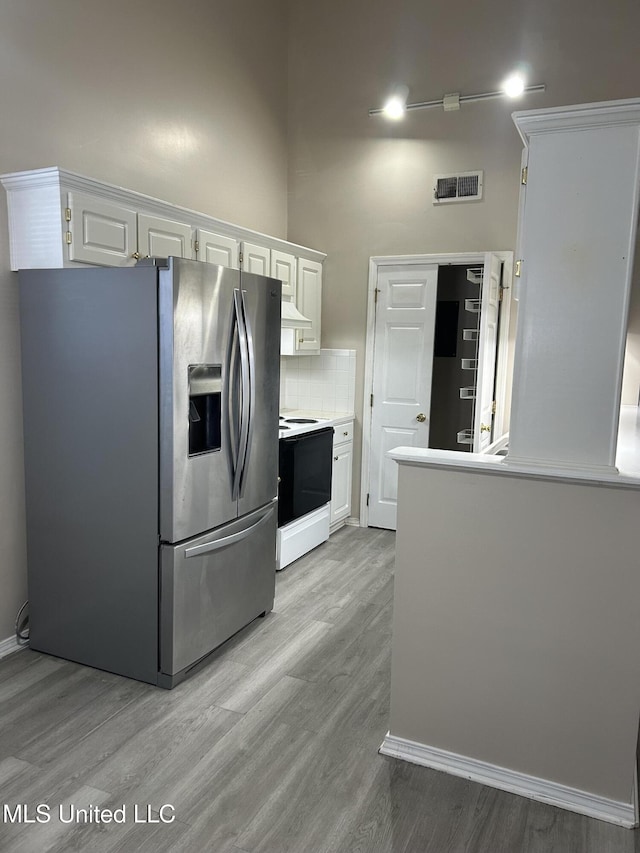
point(422, 418)
point(485, 428)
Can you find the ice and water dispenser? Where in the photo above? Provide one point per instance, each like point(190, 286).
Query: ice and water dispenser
point(205, 394)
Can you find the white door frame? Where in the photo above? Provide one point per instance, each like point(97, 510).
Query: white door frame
point(457, 258)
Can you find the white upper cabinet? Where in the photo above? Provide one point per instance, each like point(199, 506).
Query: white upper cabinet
point(110, 234)
point(61, 219)
point(100, 232)
point(577, 238)
point(217, 249)
point(283, 267)
point(309, 303)
point(162, 238)
point(256, 259)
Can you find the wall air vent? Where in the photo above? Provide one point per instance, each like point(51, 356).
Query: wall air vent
point(463, 186)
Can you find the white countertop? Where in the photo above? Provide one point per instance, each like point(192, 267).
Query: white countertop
point(627, 459)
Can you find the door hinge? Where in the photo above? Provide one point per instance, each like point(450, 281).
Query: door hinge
point(375, 296)
point(518, 270)
point(493, 408)
point(240, 258)
point(500, 293)
point(525, 173)
point(367, 500)
point(67, 237)
point(371, 401)
point(67, 214)
point(196, 246)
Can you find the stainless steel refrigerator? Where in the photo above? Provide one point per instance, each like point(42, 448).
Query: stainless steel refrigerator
point(151, 456)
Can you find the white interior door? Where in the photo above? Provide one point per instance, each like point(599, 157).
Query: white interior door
point(402, 369)
point(488, 341)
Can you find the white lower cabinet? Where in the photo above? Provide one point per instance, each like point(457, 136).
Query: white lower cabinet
point(340, 506)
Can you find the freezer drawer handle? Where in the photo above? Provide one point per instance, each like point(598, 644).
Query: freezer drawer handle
point(207, 547)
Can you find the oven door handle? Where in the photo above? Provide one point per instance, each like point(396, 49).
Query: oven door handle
point(303, 436)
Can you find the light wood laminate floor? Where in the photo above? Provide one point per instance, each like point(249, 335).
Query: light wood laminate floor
point(271, 747)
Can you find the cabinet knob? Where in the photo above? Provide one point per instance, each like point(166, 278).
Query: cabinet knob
point(345, 433)
point(421, 418)
point(136, 255)
point(301, 340)
point(335, 458)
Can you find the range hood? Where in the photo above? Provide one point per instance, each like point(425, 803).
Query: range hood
point(292, 318)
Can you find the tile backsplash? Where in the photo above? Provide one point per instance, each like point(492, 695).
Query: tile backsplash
point(319, 383)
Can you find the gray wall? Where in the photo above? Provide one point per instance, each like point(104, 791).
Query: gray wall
point(361, 186)
point(516, 643)
point(183, 101)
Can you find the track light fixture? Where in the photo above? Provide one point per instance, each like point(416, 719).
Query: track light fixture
point(396, 106)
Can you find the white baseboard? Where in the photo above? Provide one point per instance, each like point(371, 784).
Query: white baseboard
point(9, 646)
point(543, 790)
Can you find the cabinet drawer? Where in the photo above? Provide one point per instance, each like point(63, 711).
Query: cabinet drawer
point(342, 433)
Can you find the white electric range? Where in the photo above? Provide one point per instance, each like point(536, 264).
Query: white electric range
point(304, 492)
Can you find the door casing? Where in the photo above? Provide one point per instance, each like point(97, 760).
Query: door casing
point(462, 258)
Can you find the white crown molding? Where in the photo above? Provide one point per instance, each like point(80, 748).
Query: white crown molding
point(542, 790)
point(577, 117)
point(53, 177)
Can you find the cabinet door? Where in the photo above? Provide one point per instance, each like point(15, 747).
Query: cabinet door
point(309, 303)
point(283, 266)
point(217, 249)
point(101, 232)
point(256, 259)
point(162, 238)
point(341, 482)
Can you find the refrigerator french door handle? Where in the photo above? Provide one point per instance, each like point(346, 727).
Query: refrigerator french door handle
point(244, 392)
point(224, 541)
point(252, 391)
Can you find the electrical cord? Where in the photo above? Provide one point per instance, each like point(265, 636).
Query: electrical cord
point(22, 625)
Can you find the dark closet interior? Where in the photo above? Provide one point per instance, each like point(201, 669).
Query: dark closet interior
point(455, 357)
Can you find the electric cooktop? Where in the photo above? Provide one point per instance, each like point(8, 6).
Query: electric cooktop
point(290, 426)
